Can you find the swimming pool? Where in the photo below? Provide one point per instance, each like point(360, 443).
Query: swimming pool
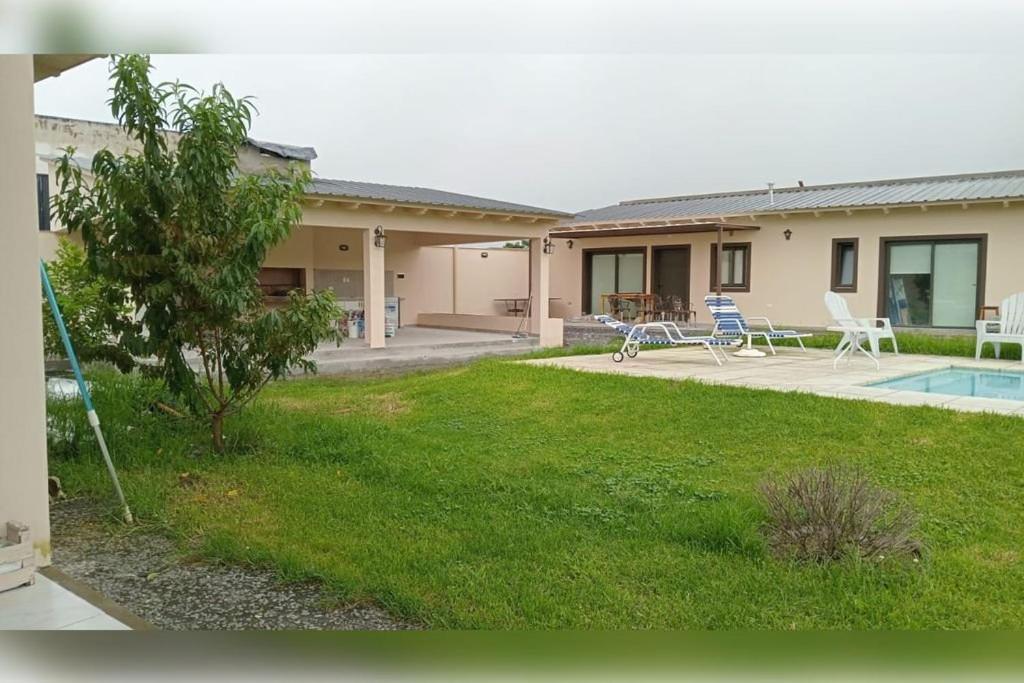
point(1004, 384)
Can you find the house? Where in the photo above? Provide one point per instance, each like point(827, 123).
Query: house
point(926, 252)
point(377, 246)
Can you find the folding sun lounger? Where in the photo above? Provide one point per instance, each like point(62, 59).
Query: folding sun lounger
point(637, 335)
point(730, 323)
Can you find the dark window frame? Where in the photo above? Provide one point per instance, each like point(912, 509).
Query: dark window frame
point(980, 238)
point(588, 253)
point(837, 263)
point(731, 246)
point(43, 201)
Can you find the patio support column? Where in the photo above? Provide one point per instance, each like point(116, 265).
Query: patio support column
point(549, 330)
point(23, 486)
point(373, 291)
point(718, 266)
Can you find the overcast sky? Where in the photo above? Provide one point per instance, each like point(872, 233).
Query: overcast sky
point(573, 132)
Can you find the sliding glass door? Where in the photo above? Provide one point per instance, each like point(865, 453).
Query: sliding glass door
point(612, 272)
point(932, 283)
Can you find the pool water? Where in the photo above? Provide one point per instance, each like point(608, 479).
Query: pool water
point(962, 382)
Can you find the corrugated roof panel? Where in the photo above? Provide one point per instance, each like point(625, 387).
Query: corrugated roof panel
point(402, 194)
point(893, 192)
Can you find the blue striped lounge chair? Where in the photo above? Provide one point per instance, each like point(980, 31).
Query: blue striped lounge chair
point(730, 323)
point(670, 335)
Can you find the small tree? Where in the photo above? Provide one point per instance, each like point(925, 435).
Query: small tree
point(186, 233)
point(96, 311)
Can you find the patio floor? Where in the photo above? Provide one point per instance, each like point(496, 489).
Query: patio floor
point(417, 347)
point(794, 370)
point(48, 605)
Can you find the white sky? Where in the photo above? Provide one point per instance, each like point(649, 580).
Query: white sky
point(573, 132)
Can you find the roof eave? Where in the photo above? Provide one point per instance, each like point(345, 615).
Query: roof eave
point(448, 210)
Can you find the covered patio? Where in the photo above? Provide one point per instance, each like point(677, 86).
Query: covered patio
point(664, 267)
point(390, 254)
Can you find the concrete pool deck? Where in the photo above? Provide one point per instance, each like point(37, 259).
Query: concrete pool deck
point(810, 372)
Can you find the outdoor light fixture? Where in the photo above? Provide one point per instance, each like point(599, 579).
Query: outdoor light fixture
point(549, 246)
point(379, 238)
point(788, 233)
point(483, 254)
point(342, 247)
point(568, 243)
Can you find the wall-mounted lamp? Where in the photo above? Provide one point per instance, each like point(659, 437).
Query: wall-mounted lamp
point(342, 247)
point(549, 246)
point(568, 243)
point(379, 238)
point(788, 233)
point(483, 254)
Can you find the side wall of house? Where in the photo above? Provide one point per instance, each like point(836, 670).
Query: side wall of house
point(789, 277)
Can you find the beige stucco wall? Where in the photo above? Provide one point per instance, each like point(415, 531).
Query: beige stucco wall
point(789, 278)
point(23, 490)
point(504, 273)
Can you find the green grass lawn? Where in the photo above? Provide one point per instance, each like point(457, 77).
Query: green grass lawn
point(499, 495)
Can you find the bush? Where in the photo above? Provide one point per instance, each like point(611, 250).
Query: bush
point(95, 311)
point(828, 514)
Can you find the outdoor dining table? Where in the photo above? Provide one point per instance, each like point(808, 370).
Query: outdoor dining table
point(644, 303)
point(517, 305)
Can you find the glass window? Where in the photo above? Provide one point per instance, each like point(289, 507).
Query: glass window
point(735, 266)
point(43, 200)
point(614, 273)
point(844, 265)
point(933, 283)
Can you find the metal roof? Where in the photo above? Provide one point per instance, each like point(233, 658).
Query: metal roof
point(422, 196)
point(873, 193)
point(283, 151)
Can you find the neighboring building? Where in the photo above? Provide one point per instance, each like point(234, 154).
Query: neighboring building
point(925, 252)
point(419, 266)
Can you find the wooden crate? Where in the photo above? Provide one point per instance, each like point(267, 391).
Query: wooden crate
point(16, 549)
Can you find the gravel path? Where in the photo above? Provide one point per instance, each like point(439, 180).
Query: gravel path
point(141, 571)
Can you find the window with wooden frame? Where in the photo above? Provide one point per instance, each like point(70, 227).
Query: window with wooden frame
point(735, 267)
point(844, 264)
point(43, 200)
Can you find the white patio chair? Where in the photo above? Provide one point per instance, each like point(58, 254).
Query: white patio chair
point(1009, 329)
point(856, 330)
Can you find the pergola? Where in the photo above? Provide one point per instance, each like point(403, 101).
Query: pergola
point(658, 228)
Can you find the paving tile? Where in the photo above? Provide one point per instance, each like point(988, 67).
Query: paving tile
point(989, 405)
point(44, 605)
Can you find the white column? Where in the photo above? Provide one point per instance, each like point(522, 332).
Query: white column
point(23, 490)
point(549, 330)
point(373, 291)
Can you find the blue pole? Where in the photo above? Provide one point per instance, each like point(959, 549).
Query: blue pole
point(90, 411)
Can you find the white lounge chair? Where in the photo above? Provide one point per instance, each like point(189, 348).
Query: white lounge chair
point(1009, 329)
point(639, 335)
point(856, 330)
point(729, 322)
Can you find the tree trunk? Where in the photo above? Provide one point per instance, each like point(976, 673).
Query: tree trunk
point(217, 425)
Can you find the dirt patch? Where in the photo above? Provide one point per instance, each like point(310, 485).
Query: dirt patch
point(141, 570)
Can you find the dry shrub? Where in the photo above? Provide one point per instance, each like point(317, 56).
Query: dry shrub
point(831, 513)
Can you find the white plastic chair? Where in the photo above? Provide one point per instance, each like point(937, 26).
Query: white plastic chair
point(1009, 329)
point(856, 330)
